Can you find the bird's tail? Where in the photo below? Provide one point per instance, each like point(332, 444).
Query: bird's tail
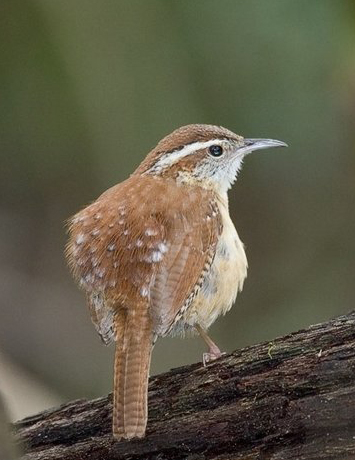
point(131, 373)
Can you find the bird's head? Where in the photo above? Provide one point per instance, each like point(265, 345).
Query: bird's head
point(207, 155)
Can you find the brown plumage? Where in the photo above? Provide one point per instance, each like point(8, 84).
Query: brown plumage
point(149, 253)
point(116, 252)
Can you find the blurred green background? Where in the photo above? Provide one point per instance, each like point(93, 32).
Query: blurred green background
point(88, 88)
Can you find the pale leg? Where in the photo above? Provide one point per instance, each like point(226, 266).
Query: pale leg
point(213, 351)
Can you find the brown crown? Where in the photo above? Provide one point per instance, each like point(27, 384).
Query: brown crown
point(184, 136)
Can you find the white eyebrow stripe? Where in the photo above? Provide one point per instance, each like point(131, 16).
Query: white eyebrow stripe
point(171, 158)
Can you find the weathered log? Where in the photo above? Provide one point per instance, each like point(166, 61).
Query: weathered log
point(292, 399)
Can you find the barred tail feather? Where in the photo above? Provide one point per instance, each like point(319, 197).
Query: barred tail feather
point(131, 373)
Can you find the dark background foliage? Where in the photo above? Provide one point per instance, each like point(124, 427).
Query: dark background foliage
point(87, 88)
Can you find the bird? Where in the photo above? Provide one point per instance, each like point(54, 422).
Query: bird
point(158, 255)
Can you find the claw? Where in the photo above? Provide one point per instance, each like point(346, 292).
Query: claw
point(212, 355)
point(214, 352)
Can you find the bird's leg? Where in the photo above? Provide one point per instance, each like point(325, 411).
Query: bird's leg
point(213, 351)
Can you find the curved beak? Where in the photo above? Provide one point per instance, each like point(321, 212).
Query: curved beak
point(257, 144)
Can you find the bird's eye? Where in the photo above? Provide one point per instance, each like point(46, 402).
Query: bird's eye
point(216, 150)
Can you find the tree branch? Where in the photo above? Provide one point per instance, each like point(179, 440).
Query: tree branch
point(292, 399)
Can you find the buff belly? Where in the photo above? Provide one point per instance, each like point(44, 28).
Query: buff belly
point(223, 281)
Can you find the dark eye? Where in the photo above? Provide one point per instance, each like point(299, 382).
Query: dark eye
point(216, 150)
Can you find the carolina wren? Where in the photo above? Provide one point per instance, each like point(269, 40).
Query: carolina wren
point(158, 254)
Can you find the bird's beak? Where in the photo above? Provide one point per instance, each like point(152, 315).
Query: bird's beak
point(257, 144)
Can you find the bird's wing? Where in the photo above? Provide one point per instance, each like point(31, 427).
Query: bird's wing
point(191, 239)
point(146, 240)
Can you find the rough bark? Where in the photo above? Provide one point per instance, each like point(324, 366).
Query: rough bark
point(292, 399)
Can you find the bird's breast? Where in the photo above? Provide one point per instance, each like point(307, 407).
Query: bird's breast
point(224, 279)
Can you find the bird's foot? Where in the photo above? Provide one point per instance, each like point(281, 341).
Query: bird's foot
point(211, 355)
